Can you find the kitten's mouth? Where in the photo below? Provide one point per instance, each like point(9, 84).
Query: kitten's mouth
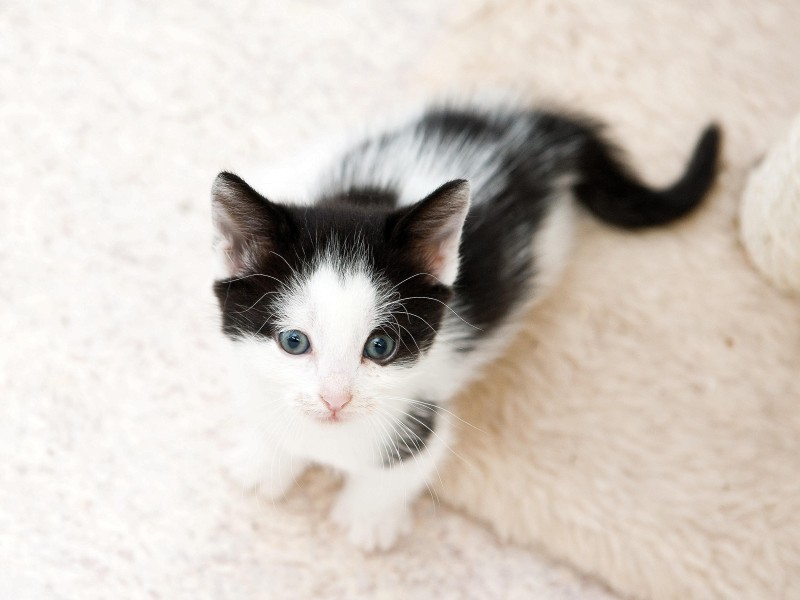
point(329, 418)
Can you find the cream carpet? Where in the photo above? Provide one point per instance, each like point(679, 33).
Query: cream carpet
point(655, 444)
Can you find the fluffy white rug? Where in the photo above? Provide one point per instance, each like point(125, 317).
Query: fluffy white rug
point(655, 444)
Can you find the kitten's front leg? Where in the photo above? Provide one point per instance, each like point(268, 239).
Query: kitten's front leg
point(259, 465)
point(374, 506)
point(373, 509)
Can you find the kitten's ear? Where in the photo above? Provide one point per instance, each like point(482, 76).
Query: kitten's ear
point(245, 224)
point(431, 229)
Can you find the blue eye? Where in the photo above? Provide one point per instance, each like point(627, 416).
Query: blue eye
point(379, 348)
point(294, 342)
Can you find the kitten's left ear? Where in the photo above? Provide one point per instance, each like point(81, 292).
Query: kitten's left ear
point(431, 229)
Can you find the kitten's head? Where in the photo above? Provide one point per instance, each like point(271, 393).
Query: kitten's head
point(332, 306)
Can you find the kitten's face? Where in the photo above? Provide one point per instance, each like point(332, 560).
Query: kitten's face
point(332, 307)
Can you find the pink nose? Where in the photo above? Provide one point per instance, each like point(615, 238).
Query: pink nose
point(336, 402)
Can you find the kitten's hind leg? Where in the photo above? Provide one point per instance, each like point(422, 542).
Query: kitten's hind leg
point(262, 467)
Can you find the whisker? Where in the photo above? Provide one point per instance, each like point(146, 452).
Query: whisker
point(291, 268)
point(465, 461)
point(436, 407)
point(410, 314)
point(264, 295)
point(264, 324)
point(413, 437)
point(252, 275)
point(394, 287)
point(447, 306)
point(389, 456)
point(409, 334)
point(390, 437)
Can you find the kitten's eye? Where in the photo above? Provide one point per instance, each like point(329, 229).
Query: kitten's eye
point(294, 342)
point(379, 348)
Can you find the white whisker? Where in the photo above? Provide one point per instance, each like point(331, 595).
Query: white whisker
point(418, 449)
point(447, 306)
point(436, 407)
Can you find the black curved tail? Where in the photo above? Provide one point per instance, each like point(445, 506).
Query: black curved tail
point(613, 193)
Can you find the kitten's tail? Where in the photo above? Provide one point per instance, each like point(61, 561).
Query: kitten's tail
point(613, 193)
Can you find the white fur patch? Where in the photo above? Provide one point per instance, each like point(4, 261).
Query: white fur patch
point(416, 165)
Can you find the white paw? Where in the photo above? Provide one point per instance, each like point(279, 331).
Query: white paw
point(368, 528)
point(268, 474)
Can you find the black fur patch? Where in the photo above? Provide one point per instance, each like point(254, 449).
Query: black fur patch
point(298, 236)
point(497, 267)
point(411, 435)
point(533, 152)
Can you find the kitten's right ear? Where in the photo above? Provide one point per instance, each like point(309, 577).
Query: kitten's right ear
point(245, 224)
point(430, 230)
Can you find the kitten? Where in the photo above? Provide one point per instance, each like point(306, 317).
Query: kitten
point(357, 311)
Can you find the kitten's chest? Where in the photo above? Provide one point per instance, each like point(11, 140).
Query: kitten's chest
point(345, 446)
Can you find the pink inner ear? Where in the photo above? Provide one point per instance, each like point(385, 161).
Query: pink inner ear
point(242, 218)
point(234, 259)
point(437, 263)
point(435, 226)
point(440, 255)
point(436, 258)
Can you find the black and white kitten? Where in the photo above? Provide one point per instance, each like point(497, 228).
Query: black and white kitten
point(361, 302)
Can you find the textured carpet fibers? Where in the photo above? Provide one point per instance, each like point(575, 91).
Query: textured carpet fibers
point(643, 428)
